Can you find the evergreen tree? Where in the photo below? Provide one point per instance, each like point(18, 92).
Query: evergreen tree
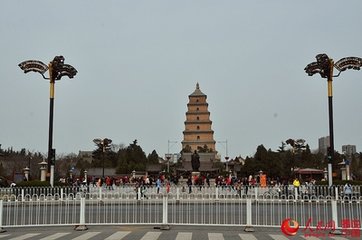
point(131, 158)
point(153, 157)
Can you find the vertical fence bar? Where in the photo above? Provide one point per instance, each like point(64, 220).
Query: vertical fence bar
point(334, 212)
point(165, 225)
point(1, 216)
point(22, 195)
point(164, 210)
point(177, 195)
point(249, 225)
point(335, 231)
point(139, 193)
point(81, 226)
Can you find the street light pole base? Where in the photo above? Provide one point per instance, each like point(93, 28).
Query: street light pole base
point(337, 232)
point(80, 228)
point(163, 227)
point(249, 229)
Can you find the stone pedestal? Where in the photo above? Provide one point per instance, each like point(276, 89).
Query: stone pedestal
point(348, 172)
point(43, 171)
point(343, 173)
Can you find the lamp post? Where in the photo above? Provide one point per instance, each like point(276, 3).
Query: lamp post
point(56, 70)
point(103, 145)
point(324, 66)
point(168, 155)
point(226, 153)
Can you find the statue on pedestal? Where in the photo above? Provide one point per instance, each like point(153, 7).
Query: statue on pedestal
point(195, 161)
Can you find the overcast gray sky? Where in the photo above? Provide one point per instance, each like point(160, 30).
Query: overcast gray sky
point(138, 61)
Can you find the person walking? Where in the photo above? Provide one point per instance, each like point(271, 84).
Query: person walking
point(347, 191)
point(296, 185)
point(189, 184)
point(208, 180)
point(158, 185)
point(245, 185)
point(168, 185)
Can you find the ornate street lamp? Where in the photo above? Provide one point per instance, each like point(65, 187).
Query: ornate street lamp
point(324, 66)
point(226, 154)
point(103, 145)
point(168, 155)
point(57, 69)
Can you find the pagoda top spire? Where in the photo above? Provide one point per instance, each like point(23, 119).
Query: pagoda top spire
point(197, 91)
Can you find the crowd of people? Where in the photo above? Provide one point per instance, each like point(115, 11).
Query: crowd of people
point(242, 184)
point(205, 180)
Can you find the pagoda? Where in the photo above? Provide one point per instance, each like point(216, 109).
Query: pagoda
point(198, 134)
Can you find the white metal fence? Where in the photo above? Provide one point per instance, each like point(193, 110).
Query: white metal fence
point(205, 206)
point(220, 191)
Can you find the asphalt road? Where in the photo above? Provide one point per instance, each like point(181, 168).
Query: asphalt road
point(152, 233)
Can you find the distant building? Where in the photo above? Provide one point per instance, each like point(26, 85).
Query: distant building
point(86, 156)
point(349, 150)
point(172, 157)
point(323, 144)
point(234, 165)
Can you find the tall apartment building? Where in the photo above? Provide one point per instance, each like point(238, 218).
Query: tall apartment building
point(349, 150)
point(323, 144)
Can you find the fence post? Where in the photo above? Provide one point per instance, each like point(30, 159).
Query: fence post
point(334, 212)
point(256, 193)
point(61, 194)
point(100, 193)
point(249, 226)
point(81, 226)
point(139, 193)
point(165, 225)
point(335, 218)
point(177, 195)
point(217, 193)
point(1, 216)
point(22, 195)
